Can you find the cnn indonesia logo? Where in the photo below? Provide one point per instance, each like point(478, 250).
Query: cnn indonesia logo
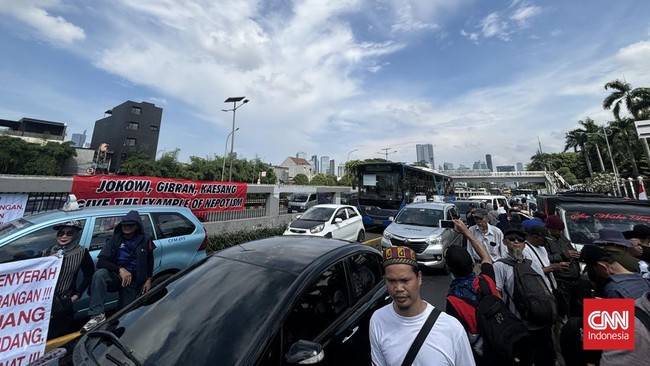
point(608, 324)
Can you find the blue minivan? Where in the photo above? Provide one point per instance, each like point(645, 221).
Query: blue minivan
point(180, 238)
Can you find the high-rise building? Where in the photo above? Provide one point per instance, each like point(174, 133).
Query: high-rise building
point(332, 169)
point(314, 163)
point(477, 165)
point(324, 164)
point(447, 166)
point(129, 127)
point(425, 154)
point(520, 167)
point(79, 139)
point(341, 170)
point(488, 161)
point(505, 168)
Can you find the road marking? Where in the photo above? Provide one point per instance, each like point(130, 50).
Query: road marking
point(57, 342)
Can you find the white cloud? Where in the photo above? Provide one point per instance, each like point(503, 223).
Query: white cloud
point(503, 24)
point(523, 15)
point(34, 13)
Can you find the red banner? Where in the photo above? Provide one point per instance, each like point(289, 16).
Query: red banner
point(199, 196)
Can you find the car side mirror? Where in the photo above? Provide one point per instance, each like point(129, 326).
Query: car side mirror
point(391, 219)
point(338, 220)
point(298, 216)
point(305, 353)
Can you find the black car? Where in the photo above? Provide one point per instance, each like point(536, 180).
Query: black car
point(276, 301)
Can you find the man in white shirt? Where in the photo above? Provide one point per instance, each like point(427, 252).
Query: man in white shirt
point(490, 236)
point(394, 327)
point(535, 250)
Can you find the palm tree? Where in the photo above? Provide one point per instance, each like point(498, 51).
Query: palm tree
point(637, 103)
point(578, 139)
point(624, 138)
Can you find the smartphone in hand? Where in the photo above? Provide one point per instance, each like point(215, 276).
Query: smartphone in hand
point(447, 224)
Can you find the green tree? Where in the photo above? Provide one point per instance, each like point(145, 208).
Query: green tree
point(568, 176)
point(301, 179)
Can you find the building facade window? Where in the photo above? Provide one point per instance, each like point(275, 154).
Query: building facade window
point(129, 142)
point(136, 110)
point(133, 126)
point(154, 128)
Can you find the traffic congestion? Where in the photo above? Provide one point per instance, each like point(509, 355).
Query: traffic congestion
point(137, 286)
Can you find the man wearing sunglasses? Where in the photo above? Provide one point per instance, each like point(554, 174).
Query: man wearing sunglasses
point(514, 238)
point(124, 265)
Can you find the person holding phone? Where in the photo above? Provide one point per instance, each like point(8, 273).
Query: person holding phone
point(489, 236)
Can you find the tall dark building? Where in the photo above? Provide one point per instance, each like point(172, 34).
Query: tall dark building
point(488, 161)
point(130, 127)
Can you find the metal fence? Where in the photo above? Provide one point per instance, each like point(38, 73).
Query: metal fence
point(39, 202)
point(254, 207)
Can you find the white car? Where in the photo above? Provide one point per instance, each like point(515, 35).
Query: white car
point(331, 221)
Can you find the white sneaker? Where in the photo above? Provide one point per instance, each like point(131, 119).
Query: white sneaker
point(94, 322)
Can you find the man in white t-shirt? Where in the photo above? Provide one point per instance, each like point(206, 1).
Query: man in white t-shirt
point(394, 327)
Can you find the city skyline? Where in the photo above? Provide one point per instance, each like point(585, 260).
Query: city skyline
point(469, 77)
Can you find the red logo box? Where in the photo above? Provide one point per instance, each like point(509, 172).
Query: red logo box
point(608, 324)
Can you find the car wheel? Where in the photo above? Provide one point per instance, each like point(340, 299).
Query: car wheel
point(361, 237)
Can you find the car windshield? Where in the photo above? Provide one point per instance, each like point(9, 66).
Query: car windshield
point(214, 312)
point(321, 214)
point(463, 206)
point(420, 217)
point(299, 198)
point(11, 227)
point(584, 221)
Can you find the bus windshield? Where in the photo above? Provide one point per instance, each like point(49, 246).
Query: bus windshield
point(380, 186)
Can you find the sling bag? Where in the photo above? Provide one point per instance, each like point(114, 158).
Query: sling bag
point(424, 332)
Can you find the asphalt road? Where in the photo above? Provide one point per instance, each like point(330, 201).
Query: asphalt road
point(434, 283)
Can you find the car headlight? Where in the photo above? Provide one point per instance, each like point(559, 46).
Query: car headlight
point(432, 240)
point(317, 229)
point(387, 235)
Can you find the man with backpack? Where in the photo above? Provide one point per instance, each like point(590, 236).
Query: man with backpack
point(496, 335)
point(526, 294)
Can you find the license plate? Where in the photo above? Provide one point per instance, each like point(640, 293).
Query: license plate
point(378, 222)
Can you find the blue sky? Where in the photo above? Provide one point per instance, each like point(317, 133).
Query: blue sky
point(327, 77)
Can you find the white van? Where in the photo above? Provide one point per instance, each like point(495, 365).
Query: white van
point(491, 201)
point(301, 202)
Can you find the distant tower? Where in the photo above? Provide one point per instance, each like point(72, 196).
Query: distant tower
point(424, 154)
point(332, 169)
point(488, 161)
point(520, 167)
point(314, 163)
point(324, 164)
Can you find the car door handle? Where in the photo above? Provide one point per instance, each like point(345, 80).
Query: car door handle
point(354, 330)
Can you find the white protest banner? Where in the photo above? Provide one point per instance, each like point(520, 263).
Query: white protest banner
point(26, 293)
point(12, 206)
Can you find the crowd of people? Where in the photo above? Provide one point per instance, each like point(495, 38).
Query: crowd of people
point(528, 276)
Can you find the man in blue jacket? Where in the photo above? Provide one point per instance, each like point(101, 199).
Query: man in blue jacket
point(124, 265)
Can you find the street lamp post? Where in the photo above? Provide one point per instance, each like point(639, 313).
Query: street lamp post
point(234, 108)
point(225, 150)
point(348, 159)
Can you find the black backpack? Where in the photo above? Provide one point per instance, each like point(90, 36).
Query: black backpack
point(506, 338)
point(531, 297)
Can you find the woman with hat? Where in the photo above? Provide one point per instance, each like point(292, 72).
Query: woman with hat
point(75, 258)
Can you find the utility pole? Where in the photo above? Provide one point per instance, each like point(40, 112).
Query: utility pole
point(386, 152)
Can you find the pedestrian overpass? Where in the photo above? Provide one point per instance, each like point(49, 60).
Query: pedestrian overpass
point(553, 181)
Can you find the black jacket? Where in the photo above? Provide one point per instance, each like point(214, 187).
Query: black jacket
point(144, 257)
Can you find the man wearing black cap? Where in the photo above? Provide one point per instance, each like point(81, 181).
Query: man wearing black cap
point(489, 236)
point(394, 327)
point(610, 278)
point(124, 265)
point(514, 238)
point(640, 236)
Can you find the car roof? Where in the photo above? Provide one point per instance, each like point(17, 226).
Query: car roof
point(430, 205)
point(100, 210)
point(287, 252)
point(332, 205)
point(485, 197)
